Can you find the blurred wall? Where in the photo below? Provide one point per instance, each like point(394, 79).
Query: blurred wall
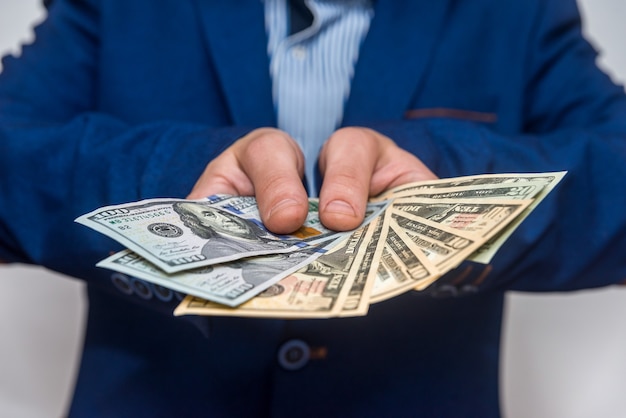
point(563, 354)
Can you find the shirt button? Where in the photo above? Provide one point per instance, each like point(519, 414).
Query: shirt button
point(294, 355)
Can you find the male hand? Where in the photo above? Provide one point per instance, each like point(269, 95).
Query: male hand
point(266, 163)
point(356, 163)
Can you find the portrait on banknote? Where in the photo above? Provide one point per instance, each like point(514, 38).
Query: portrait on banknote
point(225, 232)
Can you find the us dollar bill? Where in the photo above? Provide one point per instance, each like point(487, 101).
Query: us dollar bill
point(443, 246)
point(484, 219)
point(542, 183)
point(527, 190)
point(489, 249)
point(358, 300)
point(179, 234)
point(230, 283)
point(218, 252)
point(318, 290)
point(402, 266)
point(547, 180)
point(312, 231)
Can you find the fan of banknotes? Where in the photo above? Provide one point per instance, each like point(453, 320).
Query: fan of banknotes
point(218, 253)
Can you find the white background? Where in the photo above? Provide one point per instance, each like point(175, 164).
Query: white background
point(564, 355)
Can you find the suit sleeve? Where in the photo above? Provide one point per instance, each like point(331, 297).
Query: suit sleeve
point(59, 158)
point(574, 120)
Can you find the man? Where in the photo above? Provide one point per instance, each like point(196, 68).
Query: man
point(122, 100)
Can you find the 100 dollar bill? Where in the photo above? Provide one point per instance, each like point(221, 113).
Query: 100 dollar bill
point(179, 234)
point(230, 283)
point(218, 251)
point(318, 290)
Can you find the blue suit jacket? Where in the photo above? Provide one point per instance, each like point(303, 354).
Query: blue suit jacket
point(121, 100)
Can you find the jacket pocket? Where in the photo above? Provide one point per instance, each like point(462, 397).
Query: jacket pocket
point(444, 112)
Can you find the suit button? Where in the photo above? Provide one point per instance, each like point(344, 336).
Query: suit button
point(122, 283)
point(162, 293)
point(142, 288)
point(294, 355)
point(469, 289)
point(445, 291)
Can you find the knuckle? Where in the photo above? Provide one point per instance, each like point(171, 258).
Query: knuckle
point(347, 186)
point(274, 182)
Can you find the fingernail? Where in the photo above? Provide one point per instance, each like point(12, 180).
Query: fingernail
point(340, 207)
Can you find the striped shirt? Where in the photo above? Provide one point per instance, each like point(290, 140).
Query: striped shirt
point(312, 70)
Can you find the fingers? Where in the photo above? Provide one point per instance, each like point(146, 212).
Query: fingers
point(358, 163)
point(275, 164)
point(268, 164)
point(223, 175)
point(347, 162)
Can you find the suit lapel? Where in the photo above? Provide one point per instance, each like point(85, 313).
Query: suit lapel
point(394, 58)
point(392, 62)
point(237, 42)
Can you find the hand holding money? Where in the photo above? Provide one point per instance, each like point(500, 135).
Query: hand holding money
point(218, 251)
point(269, 164)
